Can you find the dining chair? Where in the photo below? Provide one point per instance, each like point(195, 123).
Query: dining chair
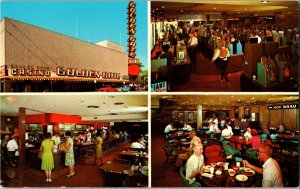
point(231, 151)
point(213, 153)
point(185, 181)
point(170, 151)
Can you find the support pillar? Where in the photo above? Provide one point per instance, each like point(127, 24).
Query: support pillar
point(199, 117)
point(22, 130)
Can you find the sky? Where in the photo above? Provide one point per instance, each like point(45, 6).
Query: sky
point(91, 21)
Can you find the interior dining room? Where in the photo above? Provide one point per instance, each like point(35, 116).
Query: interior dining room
point(230, 129)
point(260, 38)
point(102, 129)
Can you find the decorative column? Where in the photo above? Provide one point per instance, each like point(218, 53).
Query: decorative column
point(199, 116)
point(22, 130)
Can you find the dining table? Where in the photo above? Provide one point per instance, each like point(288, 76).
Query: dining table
point(241, 178)
point(117, 174)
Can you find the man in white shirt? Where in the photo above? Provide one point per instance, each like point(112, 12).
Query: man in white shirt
point(88, 137)
point(187, 127)
point(12, 147)
point(227, 131)
point(271, 171)
point(192, 44)
point(247, 134)
point(137, 144)
point(169, 128)
point(195, 163)
point(56, 140)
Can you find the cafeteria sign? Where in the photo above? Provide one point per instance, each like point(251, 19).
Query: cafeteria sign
point(159, 87)
point(280, 107)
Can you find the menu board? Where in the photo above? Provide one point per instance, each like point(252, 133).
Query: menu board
point(66, 126)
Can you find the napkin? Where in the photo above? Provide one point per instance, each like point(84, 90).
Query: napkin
point(207, 175)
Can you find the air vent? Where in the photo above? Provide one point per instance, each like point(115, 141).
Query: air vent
point(93, 106)
point(113, 114)
point(119, 103)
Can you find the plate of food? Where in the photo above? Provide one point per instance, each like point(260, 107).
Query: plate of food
point(206, 169)
point(218, 172)
point(213, 164)
point(235, 167)
point(249, 173)
point(221, 164)
point(241, 178)
point(231, 172)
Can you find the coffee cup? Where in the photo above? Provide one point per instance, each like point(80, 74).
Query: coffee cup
point(226, 165)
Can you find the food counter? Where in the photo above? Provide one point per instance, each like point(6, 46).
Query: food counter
point(35, 162)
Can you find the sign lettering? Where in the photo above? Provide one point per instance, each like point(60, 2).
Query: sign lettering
point(159, 87)
point(286, 106)
point(29, 70)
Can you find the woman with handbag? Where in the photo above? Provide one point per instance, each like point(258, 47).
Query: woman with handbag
point(47, 148)
point(69, 156)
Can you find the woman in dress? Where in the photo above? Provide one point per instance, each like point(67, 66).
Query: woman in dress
point(98, 143)
point(69, 156)
point(47, 148)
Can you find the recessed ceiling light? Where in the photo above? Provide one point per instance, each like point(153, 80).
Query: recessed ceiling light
point(93, 106)
point(264, 1)
point(215, 8)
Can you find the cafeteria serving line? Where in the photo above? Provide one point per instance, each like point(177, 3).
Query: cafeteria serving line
point(232, 46)
point(92, 140)
point(225, 140)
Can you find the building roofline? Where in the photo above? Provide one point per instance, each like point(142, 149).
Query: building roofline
point(6, 18)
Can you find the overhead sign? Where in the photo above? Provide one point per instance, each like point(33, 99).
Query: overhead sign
point(280, 107)
point(159, 87)
point(43, 71)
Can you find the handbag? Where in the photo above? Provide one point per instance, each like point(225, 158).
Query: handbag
point(40, 155)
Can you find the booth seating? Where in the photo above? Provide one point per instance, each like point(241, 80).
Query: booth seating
point(213, 153)
point(235, 63)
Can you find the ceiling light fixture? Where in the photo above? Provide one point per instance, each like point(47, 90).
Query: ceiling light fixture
point(93, 106)
point(264, 1)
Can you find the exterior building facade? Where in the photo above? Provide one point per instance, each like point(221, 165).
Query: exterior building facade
point(33, 59)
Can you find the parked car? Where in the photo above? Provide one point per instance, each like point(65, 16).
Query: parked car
point(124, 88)
point(107, 88)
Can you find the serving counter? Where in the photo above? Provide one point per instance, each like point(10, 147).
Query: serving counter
point(35, 162)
